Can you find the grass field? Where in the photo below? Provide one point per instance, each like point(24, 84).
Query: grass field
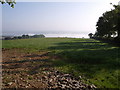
point(97, 62)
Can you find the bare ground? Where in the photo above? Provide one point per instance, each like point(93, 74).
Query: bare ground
point(35, 70)
point(24, 70)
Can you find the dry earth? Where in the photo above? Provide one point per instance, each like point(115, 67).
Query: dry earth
point(34, 70)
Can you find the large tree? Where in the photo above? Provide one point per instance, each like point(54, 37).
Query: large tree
point(109, 23)
point(117, 11)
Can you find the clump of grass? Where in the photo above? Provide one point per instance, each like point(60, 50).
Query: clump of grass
point(30, 77)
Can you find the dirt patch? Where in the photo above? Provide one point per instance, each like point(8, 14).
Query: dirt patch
point(35, 70)
point(24, 70)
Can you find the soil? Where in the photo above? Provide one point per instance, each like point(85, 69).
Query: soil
point(34, 70)
point(24, 70)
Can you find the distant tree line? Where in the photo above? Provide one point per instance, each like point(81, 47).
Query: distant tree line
point(23, 37)
point(108, 25)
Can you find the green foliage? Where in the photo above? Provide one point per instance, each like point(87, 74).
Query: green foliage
point(10, 2)
point(34, 36)
point(109, 23)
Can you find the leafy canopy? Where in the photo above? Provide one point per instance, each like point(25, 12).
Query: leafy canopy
point(10, 2)
point(109, 23)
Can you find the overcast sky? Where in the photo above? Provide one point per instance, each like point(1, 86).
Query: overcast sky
point(53, 17)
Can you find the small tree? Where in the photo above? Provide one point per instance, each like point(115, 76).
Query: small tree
point(90, 35)
point(25, 36)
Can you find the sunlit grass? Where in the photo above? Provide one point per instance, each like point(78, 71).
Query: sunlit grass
point(34, 43)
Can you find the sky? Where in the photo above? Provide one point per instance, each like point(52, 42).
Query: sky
point(68, 18)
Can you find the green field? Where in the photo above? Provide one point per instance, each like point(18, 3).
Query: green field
point(97, 62)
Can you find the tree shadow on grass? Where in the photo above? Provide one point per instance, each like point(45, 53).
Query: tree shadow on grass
point(88, 58)
point(79, 45)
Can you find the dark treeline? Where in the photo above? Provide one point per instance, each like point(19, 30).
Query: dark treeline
point(108, 26)
point(24, 37)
